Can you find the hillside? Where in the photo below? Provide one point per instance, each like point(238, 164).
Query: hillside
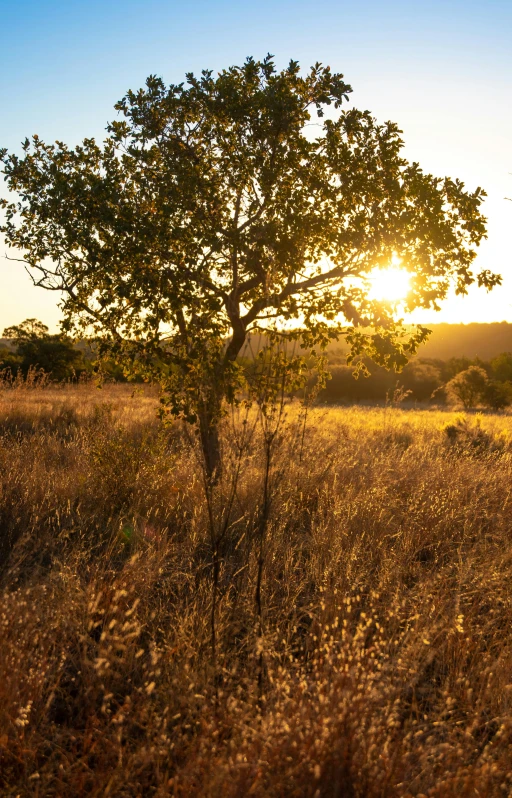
point(460, 340)
point(468, 340)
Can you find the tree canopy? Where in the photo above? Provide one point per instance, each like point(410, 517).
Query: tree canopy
point(35, 347)
point(248, 200)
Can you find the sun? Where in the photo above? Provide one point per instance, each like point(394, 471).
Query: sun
point(389, 285)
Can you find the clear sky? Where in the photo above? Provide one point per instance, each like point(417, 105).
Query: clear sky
point(441, 69)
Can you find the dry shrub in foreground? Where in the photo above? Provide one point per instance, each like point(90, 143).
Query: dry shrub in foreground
point(387, 607)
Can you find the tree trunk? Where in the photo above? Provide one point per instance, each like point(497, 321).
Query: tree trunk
point(211, 410)
point(210, 443)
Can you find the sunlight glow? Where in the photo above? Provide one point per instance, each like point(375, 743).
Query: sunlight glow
point(389, 285)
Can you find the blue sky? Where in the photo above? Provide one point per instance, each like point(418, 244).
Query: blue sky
point(441, 70)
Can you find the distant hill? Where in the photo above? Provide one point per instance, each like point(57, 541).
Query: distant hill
point(468, 340)
point(458, 340)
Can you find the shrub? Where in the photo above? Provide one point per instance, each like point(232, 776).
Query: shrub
point(469, 437)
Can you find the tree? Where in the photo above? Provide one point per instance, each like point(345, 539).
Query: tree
point(469, 386)
point(35, 347)
point(422, 379)
point(9, 361)
point(229, 204)
point(502, 367)
point(497, 395)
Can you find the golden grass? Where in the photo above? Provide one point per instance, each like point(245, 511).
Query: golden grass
point(387, 594)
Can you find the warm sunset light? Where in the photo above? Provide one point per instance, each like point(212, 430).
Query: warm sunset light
point(272, 555)
point(389, 285)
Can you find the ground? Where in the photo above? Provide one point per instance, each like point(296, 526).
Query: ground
point(379, 664)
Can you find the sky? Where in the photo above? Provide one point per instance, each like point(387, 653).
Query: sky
point(441, 69)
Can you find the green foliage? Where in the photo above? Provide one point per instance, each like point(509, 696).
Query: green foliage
point(36, 348)
point(211, 211)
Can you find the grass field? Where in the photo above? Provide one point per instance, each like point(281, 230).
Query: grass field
point(379, 662)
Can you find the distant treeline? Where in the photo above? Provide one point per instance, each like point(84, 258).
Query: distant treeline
point(469, 381)
point(427, 380)
point(29, 347)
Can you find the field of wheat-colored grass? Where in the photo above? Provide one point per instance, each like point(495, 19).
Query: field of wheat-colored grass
point(380, 663)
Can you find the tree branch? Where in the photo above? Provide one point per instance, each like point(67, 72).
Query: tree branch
point(289, 290)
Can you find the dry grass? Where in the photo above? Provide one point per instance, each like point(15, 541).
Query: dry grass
point(387, 593)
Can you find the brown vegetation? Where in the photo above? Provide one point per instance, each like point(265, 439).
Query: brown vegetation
point(380, 665)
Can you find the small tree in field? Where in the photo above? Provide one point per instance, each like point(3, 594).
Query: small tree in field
point(468, 387)
point(230, 204)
